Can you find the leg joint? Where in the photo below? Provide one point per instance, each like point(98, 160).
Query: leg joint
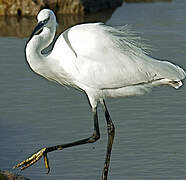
point(111, 128)
point(94, 138)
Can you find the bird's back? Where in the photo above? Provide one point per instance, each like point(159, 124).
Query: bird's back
point(102, 57)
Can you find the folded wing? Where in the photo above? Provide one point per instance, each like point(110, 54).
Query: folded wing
point(109, 58)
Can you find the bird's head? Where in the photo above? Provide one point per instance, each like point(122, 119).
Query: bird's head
point(45, 18)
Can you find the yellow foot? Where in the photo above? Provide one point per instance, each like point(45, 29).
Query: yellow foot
point(33, 159)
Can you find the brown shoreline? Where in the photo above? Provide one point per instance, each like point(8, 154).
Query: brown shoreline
point(32, 7)
point(6, 175)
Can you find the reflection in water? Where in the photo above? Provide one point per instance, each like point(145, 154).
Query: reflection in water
point(23, 26)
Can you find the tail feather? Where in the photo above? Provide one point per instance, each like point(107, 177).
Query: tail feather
point(170, 74)
point(164, 72)
point(174, 72)
point(165, 81)
point(181, 72)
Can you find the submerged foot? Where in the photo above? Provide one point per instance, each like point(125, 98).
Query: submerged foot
point(33, 159)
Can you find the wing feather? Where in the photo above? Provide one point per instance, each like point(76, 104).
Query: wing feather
point(109, 58)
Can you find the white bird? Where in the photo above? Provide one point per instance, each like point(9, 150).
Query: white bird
point(100, 60)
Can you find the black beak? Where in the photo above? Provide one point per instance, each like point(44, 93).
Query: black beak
point(38, 28)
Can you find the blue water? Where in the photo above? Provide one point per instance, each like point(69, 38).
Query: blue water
point(150, 140)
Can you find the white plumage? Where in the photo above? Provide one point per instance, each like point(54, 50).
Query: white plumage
point(101, 60)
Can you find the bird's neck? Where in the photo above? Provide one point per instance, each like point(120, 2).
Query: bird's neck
point(34, 48)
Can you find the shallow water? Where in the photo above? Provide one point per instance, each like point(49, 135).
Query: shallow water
point(150, 140)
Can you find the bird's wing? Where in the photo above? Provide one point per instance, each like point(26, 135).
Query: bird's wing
point(108, 58)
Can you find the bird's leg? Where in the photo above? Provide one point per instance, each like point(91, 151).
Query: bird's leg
point(111, 133)
point(43, 152)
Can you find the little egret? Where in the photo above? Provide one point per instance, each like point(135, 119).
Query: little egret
point(100, 60)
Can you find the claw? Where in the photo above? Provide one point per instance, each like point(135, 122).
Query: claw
point(33, 159)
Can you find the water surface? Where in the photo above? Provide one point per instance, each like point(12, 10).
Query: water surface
point(150, 138)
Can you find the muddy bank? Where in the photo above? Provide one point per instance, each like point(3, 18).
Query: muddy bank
point(23, 26)
point(5, 175)
point(32, 7)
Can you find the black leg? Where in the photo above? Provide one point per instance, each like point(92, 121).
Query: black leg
point(91, 139)
point(111, 133)
point(43, 152)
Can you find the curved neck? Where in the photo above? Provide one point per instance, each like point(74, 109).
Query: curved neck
point(35, 46)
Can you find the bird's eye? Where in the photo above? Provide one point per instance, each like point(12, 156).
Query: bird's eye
point(46, 20)
point(42, 24)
